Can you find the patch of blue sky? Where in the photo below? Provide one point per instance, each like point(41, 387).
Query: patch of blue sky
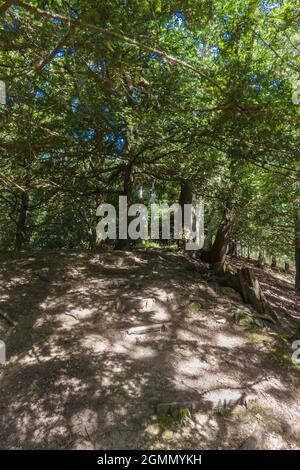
point(56, 21)
point(215, 51)
point(99, 67)
point(267, 6)
point(118, 140)
point(74, 13)
point(9, 27)
point(84, 135)
point(227, 36)
point(110, 137)
point(177, 21)
point(90, 134)
point(136, 96)
point(40, 94)
point(153, 55)
point(199, 42)
point(120, 143)
point(60, 53)
point(75, 104)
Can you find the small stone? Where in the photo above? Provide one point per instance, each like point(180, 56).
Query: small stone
point(152, 429)
point(167, 434)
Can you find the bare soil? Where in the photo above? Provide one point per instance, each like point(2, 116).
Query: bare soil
point(75, 378)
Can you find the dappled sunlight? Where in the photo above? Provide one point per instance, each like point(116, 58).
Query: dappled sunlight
point(99, 353)
point(226, 341)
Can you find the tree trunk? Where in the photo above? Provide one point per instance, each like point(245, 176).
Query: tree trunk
point(274, 262)
point(287, 267)
point(245, 282)
point(209, 234)
point(297, 242)
point(219, 248)
point(186, 197)
point(232, 248)
point(261, 259)
point(21, 222)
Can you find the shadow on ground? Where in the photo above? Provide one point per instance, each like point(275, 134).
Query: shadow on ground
point(76, 378)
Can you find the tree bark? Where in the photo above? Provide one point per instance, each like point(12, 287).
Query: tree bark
point(274, 262)
point(232, 248)
point(261, 259)
point(245, 282)
point(219, 248)
point(209, 234)
point(287, 267)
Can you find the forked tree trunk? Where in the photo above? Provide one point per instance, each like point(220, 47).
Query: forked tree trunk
point(22, 222)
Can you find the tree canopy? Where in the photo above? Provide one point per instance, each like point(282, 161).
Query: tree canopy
point(109, 95)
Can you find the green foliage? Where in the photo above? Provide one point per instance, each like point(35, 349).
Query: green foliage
point(228, 125)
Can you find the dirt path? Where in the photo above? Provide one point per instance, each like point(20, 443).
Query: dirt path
point(77, 380)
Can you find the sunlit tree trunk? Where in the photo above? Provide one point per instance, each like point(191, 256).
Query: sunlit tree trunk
point(261, 259)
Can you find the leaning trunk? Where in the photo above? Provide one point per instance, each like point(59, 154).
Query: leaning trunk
point(219, 248)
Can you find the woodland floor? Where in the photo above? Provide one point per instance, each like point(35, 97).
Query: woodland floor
point(75, 378)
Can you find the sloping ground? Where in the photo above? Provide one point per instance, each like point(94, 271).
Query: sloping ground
point(75, 378)
point(279, 290)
